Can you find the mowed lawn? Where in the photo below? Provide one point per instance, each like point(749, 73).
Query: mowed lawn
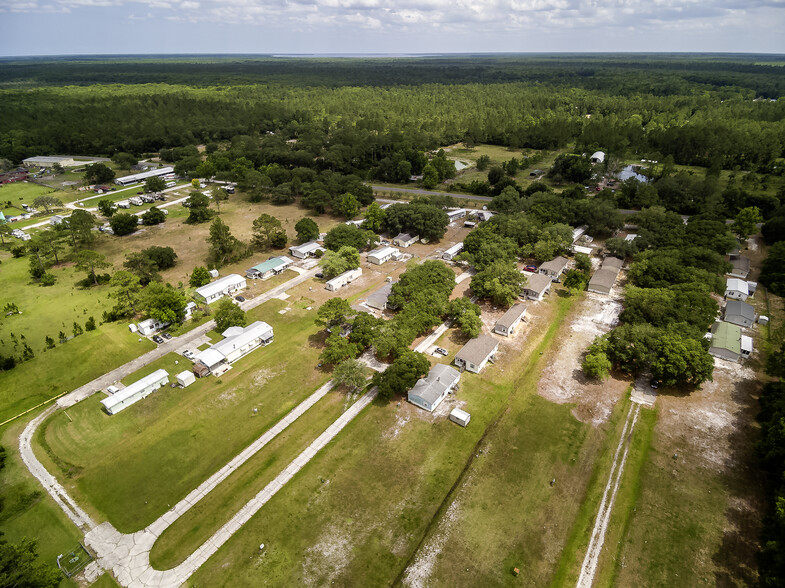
point(130, 467)
point(358, 511)
point(28, 511)
point(47, 311)
point(19, 193)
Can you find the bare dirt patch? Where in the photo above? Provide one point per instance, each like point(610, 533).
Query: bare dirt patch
point(563, 381)
point(419, 572)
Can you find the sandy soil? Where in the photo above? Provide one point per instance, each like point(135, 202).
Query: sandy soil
point(563, 381)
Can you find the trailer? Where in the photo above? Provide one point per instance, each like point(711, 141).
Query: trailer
point(345, 278)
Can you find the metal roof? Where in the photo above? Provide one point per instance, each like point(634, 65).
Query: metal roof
point(405, 237)
point(138, 386)
point(478, 350)
point(604, 277)
point(220, 285)
point(161, 171)
point(271, 264)
point(383, 252)
point(726, 336)
point(454, 249)
point(612, 263)
point(737, 285)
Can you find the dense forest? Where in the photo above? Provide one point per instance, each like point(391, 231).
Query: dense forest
point(350, 115)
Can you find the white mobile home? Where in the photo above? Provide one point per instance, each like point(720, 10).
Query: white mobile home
point(133, 178)
point(429, 391)
point(454, 215)
point(476, 353)
point(305, 250)
point(382, 255)
point(345, 278)
point(123, 204)
point(453, 251)
point(238, 342)
point(135, 392)
point(507, 323)
point(225, 286)
point(151, 326)
point(56, 220)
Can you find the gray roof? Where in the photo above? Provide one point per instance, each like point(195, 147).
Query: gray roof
point(441, 378)
point(378, 298)
point(478, 349)
point(739, 308)
point(512, 315)
point(404, 237)
point(538, 283)
point(612, 263)
point(604, 277)
point(741, 264)
point(556, 265)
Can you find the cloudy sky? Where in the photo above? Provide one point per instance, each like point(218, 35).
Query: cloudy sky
point(52, 27)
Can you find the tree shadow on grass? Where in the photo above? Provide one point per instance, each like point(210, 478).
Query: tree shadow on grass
point(736, 556)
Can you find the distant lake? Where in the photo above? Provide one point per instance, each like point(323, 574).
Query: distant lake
point(631, 171)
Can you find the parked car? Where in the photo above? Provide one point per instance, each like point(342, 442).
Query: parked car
point(239, 298)
point(166, 336)
point(530, 268)
point(441, 351)
point(319, 275)
point(158, 339)
point(189, 354)
point(654, 383)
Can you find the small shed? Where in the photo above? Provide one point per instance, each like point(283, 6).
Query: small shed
point(185, 379)
point(460, 416)
point(133, 328)
point(507, 323)
point(213, 273)
point(598, 157)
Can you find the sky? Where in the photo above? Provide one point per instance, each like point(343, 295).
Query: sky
point(84, 27)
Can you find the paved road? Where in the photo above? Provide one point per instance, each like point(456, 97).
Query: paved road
point(128, 555)
point(178, 342)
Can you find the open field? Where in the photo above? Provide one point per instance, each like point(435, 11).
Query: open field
point(28, 511)
point(201, 521)
point(108, 462)
point(357, 512)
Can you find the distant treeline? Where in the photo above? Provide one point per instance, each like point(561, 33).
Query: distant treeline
point(350, 115)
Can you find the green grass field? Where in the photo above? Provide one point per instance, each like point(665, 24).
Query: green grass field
point(357, 511)
point(47, 311)
point(128, 468)
point(29, 512)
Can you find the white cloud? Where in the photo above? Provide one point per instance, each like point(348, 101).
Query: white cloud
point(557, 18)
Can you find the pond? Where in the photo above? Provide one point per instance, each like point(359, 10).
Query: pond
point(631, 171)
